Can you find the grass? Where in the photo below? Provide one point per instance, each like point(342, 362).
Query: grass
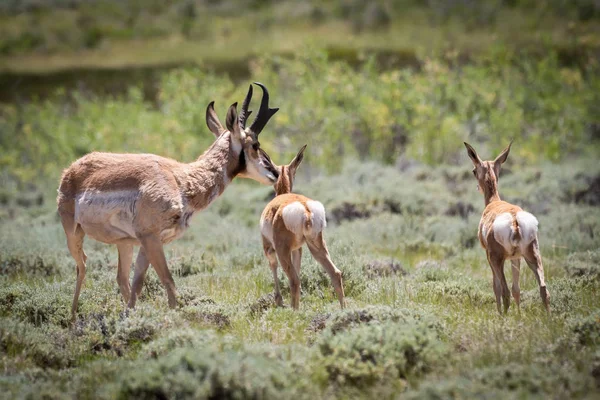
point(221, 277)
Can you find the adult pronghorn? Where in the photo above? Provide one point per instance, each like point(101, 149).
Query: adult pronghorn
point(506, 232)
point(148, 200)
point(289, 221)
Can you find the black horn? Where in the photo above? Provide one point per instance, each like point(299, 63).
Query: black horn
point(244, 113)
point(264, 112)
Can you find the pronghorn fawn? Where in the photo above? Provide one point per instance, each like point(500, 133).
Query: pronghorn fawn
point(289, 221)
point(506, 232)
point(147, 200)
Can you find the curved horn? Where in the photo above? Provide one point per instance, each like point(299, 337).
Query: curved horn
point(244, 113)
point(264, 112)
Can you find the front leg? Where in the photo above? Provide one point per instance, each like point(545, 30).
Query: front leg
point(153, 249)
point(141, 266)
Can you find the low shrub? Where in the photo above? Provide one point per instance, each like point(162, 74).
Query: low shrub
point(584, 264)
point(345, 320)
point(31, 264)
point(587, 329)
point(202, 373)
point(49, 347)
point(375, 352)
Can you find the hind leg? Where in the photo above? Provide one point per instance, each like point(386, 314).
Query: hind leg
point(534, 261)
point(284, 254)
point(75, 235)
point(272, 257)
point(497, 266)
point(318, 249)
point(516, 290)
point(125, 257)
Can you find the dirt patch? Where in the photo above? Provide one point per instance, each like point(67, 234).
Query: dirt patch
point(380, 268)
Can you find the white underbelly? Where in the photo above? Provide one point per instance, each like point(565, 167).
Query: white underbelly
point(106, 217)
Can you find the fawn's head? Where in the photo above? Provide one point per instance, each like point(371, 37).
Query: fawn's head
point(254, 162)
point(487, 172)
point(287, 173)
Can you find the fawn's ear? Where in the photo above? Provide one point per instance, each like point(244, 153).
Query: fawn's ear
point(503, 156)
point(295, 163)
point(472, 154)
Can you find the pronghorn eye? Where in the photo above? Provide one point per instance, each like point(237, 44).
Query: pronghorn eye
point(256, 146)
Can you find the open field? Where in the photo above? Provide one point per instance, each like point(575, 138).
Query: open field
point(384, 108)
point(421, 313)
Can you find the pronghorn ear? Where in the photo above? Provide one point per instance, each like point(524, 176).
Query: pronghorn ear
point(472, 154)
point(231, 119)
point(503, 156)
point(212, 121)
point(297, 160)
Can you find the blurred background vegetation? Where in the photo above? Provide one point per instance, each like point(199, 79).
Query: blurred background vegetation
point(382, 80)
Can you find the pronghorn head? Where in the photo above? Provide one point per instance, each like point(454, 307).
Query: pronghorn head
point(254, 163)
point(287, 173)
point(486, 172)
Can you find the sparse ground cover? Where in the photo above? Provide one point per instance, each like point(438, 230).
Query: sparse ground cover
point(385, 157)
point(421, 319)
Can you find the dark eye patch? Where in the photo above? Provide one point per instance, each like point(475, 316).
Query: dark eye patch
point(256, 146)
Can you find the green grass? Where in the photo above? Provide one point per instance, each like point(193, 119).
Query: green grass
point(221, 274)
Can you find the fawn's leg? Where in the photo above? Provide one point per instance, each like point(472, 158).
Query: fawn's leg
point(516, 290)
point(497, 284)
point(125, 257)
point(284, 254)
point(318, 249)
point(534, 261)
point(272, 257)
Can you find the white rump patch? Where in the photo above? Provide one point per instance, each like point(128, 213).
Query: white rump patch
point(503, 231)
point(294, 217)
point(528, 225)
point(505, 235)
point(317, 211)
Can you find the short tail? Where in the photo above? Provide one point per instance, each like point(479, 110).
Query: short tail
point(515, 234)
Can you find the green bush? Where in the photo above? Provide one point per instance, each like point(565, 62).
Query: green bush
point(587, 330)
point(370, 353)
point(202, 373)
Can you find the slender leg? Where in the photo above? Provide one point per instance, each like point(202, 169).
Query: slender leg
point(153, 248)
point(318, 249)
point(516, 290)
point(272, 257)
point(125, 257)
point(285, 259)
point(75, 235)
point(497, 284)
point(534, 261)
point(297, 259)
point(141, 266)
